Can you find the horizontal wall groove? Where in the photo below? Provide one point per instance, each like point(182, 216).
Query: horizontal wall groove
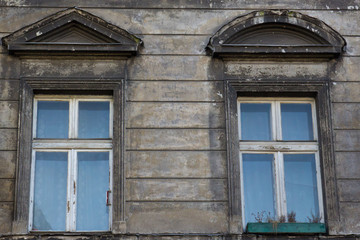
point(174, 128)
point(177, 80)
point(175, 150)
point(10, 79)
point(174, 34)
point(172, 55)
point(347, 129)
point(350, 56)
point(345, 102)
point(179, 8)
point(178, 201)
point(349, 179)
point(347, 151)
point(142, 101)
point(176, 178)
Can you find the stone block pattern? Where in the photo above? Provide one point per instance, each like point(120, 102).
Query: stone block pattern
point(9, 107)
point(175, 158)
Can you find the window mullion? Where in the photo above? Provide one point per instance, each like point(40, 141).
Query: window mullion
point(71, 119)
point(35, 118)
point(278, 121)
point(242, 188)
point(74, 190)
point(76, 117)
point(274, 121)
point(71, 194)
point(277, 185)
point(69, 190)
point(111, 117)
point(319, 186)
point(314, 126)
point(239, 117)
point(32, 183)
point(281, 176)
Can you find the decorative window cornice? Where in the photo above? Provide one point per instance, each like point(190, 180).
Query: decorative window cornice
point(274, 33)
point(72, 31)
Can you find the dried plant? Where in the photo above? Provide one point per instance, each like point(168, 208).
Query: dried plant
point(291, 217)
point(282, 219)
point(259, 217)
point(273, 219)
point(314, 218)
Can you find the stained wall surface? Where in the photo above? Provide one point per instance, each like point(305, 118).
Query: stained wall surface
point(175, 137)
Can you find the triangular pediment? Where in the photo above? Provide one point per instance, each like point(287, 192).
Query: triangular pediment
point(72, 31)
point(279, 33)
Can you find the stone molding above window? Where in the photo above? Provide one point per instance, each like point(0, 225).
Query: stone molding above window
point(72, 31)
point(69, 37)
point(267, 37)
point(276, 33)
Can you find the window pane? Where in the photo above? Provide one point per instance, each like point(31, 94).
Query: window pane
point(94, 119)
point(52, 119)
point(93, 182)
point(255, 121)
point(300, 185)
point(258, 180)
point(296, 121)
point(50, 191)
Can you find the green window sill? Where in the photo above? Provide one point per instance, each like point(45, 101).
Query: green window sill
point(300, 228)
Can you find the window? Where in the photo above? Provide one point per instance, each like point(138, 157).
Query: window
point(71, 163)
point(279, 159)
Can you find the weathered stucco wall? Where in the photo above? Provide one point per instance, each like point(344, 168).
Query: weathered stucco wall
point(175, 159)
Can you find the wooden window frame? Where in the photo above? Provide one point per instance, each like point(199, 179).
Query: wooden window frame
point(277, 147)
point(72, 145)
point(317, 90)
point(31, 87)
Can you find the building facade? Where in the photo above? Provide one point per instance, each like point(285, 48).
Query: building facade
point(179, 120)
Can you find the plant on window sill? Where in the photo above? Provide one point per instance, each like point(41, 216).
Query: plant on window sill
point(280, 225)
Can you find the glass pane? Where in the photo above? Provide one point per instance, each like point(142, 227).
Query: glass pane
point(94, 119)
point(50, 191)
point(258, 180)
point(300, 185)
point(255, 121)
point(52, 119)
point(296, 121)
point(93, 182)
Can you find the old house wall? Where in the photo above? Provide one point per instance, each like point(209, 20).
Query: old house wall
point(175, 138)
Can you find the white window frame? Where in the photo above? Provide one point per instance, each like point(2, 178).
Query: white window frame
point(72, 146)
point(278, 148)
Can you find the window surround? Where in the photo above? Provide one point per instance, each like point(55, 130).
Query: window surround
point(33, 86)
point(287, 88)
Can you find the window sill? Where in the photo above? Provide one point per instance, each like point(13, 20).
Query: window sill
point(300, 228)
point(64, 233)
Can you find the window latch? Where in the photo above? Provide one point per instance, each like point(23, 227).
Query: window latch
point(108, 202)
